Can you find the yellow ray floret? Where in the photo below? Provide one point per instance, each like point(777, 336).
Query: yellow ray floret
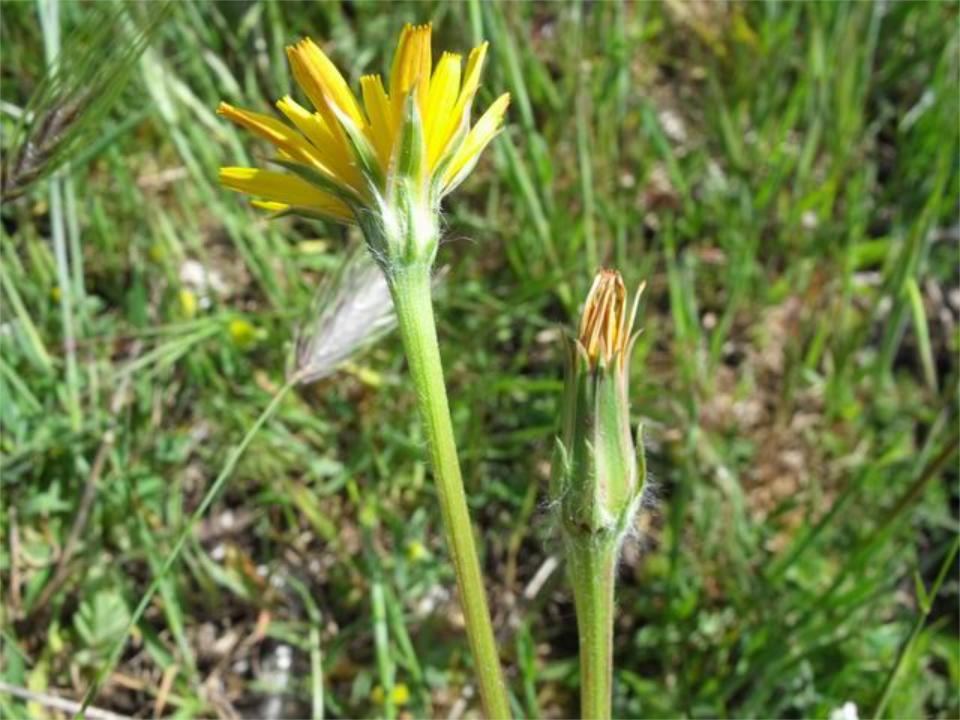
point(442, 96)
point(284, 137)
point(322, 82)
point(382, 124)
point(479, 136)
point(335, 157)
point(471, 82)
point(283, 189)
point(348, 147)
point(411, 66)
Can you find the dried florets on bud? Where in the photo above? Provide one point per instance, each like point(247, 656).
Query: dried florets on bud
point(606, 325)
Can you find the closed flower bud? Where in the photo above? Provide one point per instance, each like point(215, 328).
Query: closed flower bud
point(598, 473)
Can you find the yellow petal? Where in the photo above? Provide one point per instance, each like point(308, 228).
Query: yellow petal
point(334, 155)
point(411, 67)
point(440, 101)
point(477, 139)
point(425, 63)
point(377, 104)
point(284, 137)
point(471, 81)
point(310, 124)
point(322, 82)
point(285, 189)
point(270, 205)
point(399, 69)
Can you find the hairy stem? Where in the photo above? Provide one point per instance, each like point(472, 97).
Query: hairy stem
point(592, 566)
point(410, 287)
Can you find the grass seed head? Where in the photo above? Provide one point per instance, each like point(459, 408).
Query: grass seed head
point(351, 310)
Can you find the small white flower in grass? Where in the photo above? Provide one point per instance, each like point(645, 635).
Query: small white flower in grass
point(205, 283)
point(848, 711)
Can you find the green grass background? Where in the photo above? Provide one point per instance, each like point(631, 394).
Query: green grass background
point(784, 178)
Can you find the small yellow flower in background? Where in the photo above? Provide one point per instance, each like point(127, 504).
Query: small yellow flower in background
point(188, 303)
point(400, 694)
point(157, 252)
point(243, 333)
point(312, 247)
point(416, 551)
point(384, 163)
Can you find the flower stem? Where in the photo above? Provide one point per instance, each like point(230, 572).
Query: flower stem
point(410, 288)
point(592, 563)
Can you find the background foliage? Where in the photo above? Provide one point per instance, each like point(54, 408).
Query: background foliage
point(783, 176)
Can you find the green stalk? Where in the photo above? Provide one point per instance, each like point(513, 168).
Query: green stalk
point(50, 24)
point(592, 564)
point(925, 601)
point(410, 288)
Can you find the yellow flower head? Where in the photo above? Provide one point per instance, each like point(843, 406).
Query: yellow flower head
point(404, 146)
